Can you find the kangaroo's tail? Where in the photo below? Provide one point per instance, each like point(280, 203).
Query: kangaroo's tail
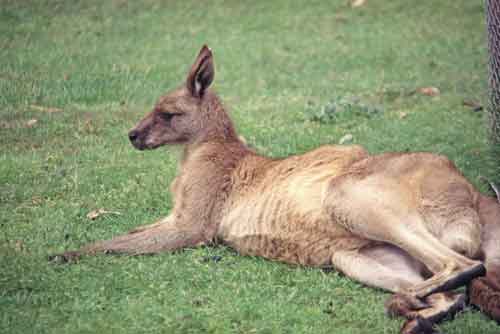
point(484, 292)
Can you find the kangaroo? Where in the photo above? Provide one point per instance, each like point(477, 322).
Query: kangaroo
point(408, 223)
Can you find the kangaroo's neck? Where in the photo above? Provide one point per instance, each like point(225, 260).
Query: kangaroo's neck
point(217, 134)
point(216, 125)
point(210, 169)
point(204, 181)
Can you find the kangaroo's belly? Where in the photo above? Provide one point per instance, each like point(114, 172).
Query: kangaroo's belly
point(285, 220)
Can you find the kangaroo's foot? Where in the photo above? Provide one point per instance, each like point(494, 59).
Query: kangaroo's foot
point(423, 314)
point(418, 325)
point(447, 280)
point(404, 305)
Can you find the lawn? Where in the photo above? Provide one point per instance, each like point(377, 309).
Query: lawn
point(76, 75)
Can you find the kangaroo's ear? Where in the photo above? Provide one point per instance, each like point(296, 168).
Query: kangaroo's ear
point(201, 73)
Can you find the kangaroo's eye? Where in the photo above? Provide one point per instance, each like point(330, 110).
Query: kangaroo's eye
point(167, 116)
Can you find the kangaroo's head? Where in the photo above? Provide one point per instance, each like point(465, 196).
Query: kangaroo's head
point(188, 114)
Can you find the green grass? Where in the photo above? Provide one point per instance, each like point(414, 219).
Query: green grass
point(105, 62)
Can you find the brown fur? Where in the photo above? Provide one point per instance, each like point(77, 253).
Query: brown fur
point(407, 223)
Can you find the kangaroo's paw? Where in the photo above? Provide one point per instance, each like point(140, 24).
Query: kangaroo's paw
point(66, 257)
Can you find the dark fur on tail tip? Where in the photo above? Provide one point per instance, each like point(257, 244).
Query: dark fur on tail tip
point(485, 297)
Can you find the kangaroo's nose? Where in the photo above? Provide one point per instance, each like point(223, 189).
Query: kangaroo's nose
point(132, 135)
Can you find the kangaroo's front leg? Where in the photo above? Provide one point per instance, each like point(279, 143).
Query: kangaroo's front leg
point(191, 222)
point(163, 236)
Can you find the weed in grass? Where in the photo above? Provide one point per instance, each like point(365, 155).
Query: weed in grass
point(339, 110)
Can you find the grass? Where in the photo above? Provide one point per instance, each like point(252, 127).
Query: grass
point(103, 63)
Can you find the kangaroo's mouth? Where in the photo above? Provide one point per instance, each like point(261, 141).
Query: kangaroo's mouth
point(142, 146)
point(139, 146)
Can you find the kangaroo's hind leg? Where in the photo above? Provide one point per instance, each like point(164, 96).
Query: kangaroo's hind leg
point(382, 209)
point(388, 267)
